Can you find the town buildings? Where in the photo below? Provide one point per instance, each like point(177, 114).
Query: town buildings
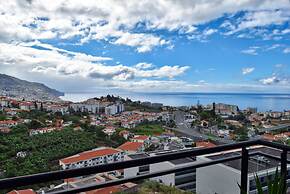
point(94, 106)
point(91, 158)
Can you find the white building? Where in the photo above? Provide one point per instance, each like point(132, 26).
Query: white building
point(26, 105)
point(114, 109)
point(185, 180)
point(57, 108)
point(225, 109)
point(83, 107)
point(140, 138)
point(92, 158)
point(4, 102)
point(109, 130)
point(224, 178)
point(42, 130)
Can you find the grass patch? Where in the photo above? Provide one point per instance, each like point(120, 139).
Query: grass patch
point(146, 129)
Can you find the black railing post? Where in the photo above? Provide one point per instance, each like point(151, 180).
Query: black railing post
point(244, 170)
point(284, 166)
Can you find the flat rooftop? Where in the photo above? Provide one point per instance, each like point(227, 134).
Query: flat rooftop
point(175, 162)
point(182, 161)
point(256, 163)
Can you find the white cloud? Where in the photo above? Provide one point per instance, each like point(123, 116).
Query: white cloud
point(209, 32)
point(67, 63)
point(275, 79)
point(269, 80)
point(143, 65)
point(143, 42)
point(247, 70)
point(250, 51)
point(286, 50)
point(263, 18)
point(115, 21)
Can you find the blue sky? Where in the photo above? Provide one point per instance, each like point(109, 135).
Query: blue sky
point(160, 46)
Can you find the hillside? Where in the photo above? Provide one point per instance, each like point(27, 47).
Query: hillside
point(14, 87)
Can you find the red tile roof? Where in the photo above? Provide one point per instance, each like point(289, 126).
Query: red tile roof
point(87, 155)
point(141, 137)
point(131, 146)
point(269, 137)
point(8, 122)
point(107, 190)
point(26, 191)
point(26, 104)
point(206, 144)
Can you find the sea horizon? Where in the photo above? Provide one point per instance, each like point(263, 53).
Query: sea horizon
point(261, 101)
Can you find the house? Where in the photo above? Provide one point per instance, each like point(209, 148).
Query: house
point(42, 130)
point(275, 115)
point(234, 123)
point(25, 191)
point(5, 130)
point(132, 147)
point(78, 128)
point(8, 123)
point(4, 101)
point(26, 106)
point(97, 178)
point(128, 124)
point(109, 130)
point(21, 154)
point(140, 138)
point(205, 144)
point(93, 157)
point(125, 134)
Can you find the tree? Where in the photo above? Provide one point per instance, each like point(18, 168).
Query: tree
point(35, 124)
point(2, 116)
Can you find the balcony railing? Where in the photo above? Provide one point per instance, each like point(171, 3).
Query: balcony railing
point(10, 183)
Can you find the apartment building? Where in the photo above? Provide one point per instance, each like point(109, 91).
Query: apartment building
point(83, 107)
point(114, 109)
point(224, 178)
point(185, 180)
point(94, 157)
point(225, 109)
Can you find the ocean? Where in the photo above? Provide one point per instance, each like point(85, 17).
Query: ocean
point(264, 102)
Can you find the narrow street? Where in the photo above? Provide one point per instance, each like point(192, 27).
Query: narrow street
point(192, 132)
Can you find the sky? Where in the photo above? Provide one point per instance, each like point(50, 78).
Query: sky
point(148, 46)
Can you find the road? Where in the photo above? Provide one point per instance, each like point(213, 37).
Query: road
point(192, 132)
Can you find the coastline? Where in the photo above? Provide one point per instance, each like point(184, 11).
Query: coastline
point(263, 101)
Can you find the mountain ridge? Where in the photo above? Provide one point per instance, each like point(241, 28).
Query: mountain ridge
point(18, 88)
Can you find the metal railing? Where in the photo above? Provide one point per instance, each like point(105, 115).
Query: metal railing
point(14, 182)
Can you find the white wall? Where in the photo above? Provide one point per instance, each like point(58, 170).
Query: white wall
point(217, 179)
point(131, 172)
point(166, 179)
